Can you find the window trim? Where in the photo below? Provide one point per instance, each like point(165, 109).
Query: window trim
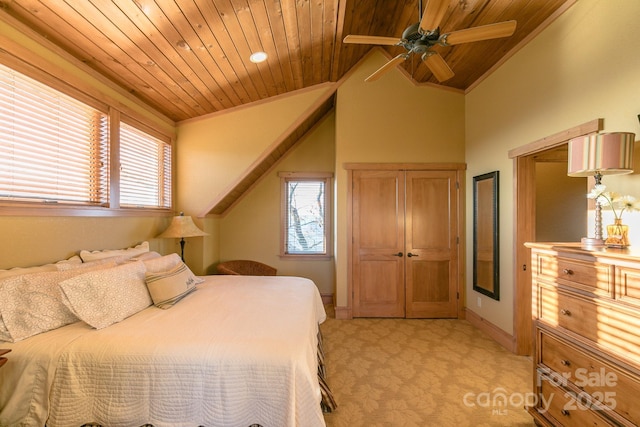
point(327, 177)
point(115, 114)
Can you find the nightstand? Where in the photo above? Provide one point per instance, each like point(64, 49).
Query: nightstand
point(3, 360)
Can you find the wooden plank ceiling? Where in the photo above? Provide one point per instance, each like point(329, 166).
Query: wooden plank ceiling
point(188, 58)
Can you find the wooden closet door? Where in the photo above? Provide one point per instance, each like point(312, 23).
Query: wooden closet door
point(431, 244)
point(378, 244)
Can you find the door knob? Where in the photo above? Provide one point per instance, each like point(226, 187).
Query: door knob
point(410, 254)
point(398, 254)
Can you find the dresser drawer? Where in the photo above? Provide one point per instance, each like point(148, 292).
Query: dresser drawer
point(578, 274)
point(609, 327)
point(562, 407)
point(611, 386)
point(628, 285)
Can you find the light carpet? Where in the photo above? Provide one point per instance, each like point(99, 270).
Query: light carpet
point(408, 372)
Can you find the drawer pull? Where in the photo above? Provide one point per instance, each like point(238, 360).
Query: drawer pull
point(565, 412)
point(567, 272)
point(565, 312)
point(565, 363)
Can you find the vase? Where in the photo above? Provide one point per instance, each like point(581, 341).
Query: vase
point(617, 234)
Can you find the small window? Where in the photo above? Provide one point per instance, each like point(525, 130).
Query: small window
point(145, 169)
point(53, 148)
point(306, 212)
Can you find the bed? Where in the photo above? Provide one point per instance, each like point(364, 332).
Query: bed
point(233, 351)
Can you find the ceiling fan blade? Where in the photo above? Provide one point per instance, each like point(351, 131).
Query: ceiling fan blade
point(438, 66)
point(386, 68)
point(390, 41)
point(433, 14)
point(484, 32)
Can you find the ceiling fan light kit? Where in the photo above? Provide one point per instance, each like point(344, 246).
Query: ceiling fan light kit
point(421, 36)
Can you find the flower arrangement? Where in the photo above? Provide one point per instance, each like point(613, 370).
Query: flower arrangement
point(615, 201)
point(617, 233)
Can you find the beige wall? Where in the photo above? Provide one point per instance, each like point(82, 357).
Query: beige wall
point(584, 66)
point(390, 121)
point(252, 229)
point(29, 241)
point(213, 151)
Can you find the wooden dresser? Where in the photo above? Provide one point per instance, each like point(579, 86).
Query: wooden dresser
point(586, 309)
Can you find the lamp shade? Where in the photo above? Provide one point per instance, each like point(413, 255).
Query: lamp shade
point(181, 226)
point(601, 153)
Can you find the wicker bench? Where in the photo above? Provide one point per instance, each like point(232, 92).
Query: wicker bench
point(246, 268)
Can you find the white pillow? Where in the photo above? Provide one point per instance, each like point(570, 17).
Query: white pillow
point(146, 256)
point(107, 253)
point(111, 261)
point(32, 304)
point(19, 271)
point(105, 297)
point(169, 287)
point(73, 260)
point(166, 263)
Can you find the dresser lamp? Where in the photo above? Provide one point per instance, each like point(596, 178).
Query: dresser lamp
point(181, 226)
point(596, 155)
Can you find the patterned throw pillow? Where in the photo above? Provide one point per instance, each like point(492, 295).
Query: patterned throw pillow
point(105, 297)
point(4, 332)
point(32, 304)
point(169, 287)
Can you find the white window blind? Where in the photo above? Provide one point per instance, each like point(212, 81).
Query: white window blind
point(305, 216)
point(145, 169)
point(53, 148)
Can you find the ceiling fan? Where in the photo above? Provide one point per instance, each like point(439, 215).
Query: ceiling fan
point(421, 36)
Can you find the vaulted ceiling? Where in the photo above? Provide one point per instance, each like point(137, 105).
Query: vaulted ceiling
point(188, 58)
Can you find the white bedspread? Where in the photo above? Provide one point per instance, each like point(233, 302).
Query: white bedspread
point(239, 351)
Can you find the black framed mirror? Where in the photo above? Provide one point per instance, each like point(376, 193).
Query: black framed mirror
point(486, 272)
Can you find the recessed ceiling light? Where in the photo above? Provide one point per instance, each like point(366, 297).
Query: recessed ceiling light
point(257, 57)
point(183, 45)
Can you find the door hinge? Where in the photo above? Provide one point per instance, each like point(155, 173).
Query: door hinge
point(457, 295)
point(457, 185)
point(457, 240)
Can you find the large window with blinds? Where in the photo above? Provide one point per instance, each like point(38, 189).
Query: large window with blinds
point(53, 148)
point(305, 214)
point(145, 169)
point(54, 151)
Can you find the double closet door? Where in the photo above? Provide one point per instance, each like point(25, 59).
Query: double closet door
point(404, 243)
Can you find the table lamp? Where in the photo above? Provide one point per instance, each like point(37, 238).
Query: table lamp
point(596, 155)
point(181, 226)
